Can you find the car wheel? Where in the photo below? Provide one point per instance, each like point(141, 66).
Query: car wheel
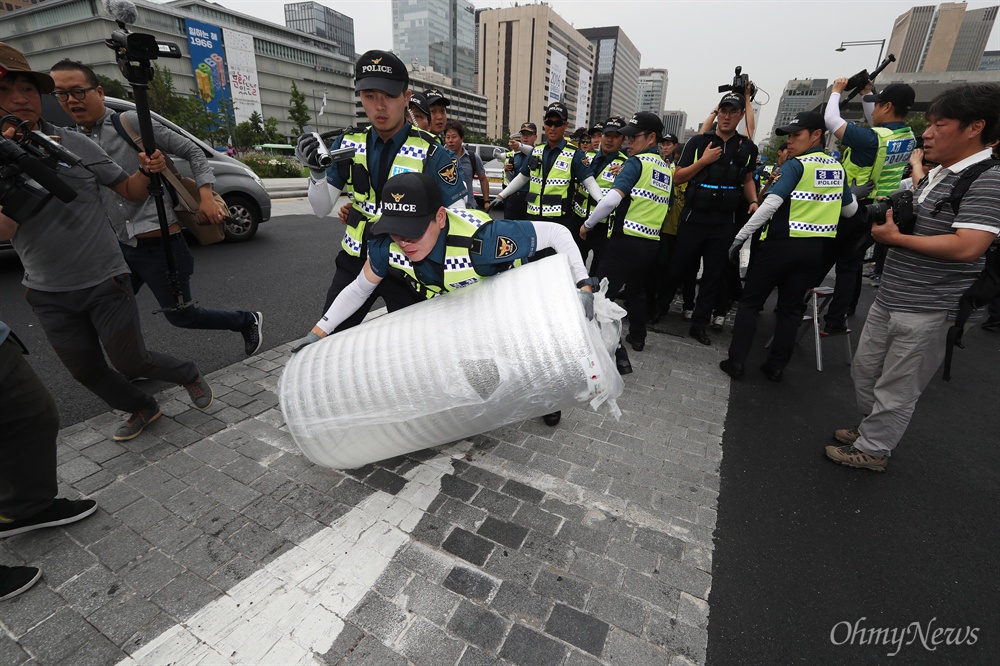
point(243, 218)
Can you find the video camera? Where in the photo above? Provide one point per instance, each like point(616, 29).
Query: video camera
point(739, 84)
point(858, 82)
point(324, 156)
point(28, 178)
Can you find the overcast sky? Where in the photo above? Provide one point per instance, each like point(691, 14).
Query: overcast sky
point(699, 42)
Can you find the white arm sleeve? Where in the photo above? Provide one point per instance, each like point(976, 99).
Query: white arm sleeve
point(322, 197)
point(520, 180)
point(832, 114)
point(525, 148)
point(559, 238)
point(767, 208)
point(850, 209)
point(593, 189)
point(458, 205)
point(604, 207)
point(869, 108)
point(347, 303)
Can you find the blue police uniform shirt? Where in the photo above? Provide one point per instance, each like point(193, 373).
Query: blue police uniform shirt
point(442, 158)
point(791, 171)
point(863, 142)
point(579, 169)
point(518, 234)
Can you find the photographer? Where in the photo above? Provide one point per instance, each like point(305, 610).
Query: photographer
point(904, 338)
point(137, 224)
point(77, 280)
point(876, 155)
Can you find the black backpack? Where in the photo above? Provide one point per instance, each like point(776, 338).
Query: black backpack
point(987, 285)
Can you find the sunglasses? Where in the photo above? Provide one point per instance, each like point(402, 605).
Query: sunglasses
point(77, 93)
point(555, 122)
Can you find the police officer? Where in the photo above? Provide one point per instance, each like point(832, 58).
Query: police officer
point(516, 207)
point(419, 113)
point(719, 167)
point(658, 279)
point(605, 163)
point(438, 105)
point(801, 210)
point(596, 133)
point(390, 145)
point(876, 154)
point(639, 198)
point(550, 173)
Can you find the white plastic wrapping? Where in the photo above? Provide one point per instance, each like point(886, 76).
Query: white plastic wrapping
point(517, 346)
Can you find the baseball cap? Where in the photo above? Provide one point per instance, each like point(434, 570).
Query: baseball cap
point(529, 127)
point(644, 121)
point(435, 96)
point(380, 70)
point(733, 99)
point(419, 100)
point(597, 128)
point(810, 120)
point(558, 109)
point(614, 124)
point(901, 95)
point(410, 201)
point(672, 138)
point(13, 61)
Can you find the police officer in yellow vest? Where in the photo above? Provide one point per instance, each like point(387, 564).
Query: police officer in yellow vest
point(551, 171)
point(802, 209)
point(516, 207)
point(876, 154)
point(389, 146)
point(639, 199)
point(605, 162)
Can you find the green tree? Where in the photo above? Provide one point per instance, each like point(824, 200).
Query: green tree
point(298, 110)
point(256, 123)
point(163, 99)
point(917, 123)
point(271, 133)
point(114, 87)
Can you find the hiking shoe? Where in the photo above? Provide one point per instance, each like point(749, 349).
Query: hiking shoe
point(718, 322)
point(688, 315)
point(852, 457)
point(200, 392)
point(15, 580)
point(61, 512)
point(253, 337)
point(136, 423)
point(846, 435)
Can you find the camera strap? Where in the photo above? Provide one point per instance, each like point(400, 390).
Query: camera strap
point(965, 179)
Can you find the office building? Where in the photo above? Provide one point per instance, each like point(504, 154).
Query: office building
point(675, 122)
point(946, 38)
point(990, 61)
point(440, 34)
point(798, 95)
point(14, 5)
point(530, 56)
point(615, 85)
point(652, 91)
point(313, 18)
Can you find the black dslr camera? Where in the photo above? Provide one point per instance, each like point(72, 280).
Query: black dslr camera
point(901, 204)
point(739, 84)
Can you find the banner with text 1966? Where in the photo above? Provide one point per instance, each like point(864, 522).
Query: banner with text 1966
point(243, 80)
point(205, 47)
point(557, 76)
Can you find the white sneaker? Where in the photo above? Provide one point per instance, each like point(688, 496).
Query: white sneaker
point(688, 315)
point(718, 322)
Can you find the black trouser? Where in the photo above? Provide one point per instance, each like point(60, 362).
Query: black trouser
point(29, 424)
point(515, 207)
point(790, 265)
point(396, 294)
point(597, 242)
point(627, 262)
point(79, 323)
point(708, 243)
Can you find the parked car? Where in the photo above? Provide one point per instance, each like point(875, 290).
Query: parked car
point(493, 161)
point(243, 191)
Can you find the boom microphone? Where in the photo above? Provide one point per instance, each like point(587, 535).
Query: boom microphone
point(47, 178)
point(54, 148)
point(124, 11)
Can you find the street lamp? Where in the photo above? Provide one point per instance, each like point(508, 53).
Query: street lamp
point(870, 42)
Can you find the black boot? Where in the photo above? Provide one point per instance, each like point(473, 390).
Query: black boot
point(552, 419)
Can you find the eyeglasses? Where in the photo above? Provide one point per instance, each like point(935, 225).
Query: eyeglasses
point(555, 122)
point(730, 111)
point(636, 136)
point(77, 93)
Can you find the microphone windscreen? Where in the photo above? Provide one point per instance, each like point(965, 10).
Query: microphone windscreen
point(122, 10)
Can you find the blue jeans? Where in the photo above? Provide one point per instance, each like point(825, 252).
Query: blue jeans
point(148, 264)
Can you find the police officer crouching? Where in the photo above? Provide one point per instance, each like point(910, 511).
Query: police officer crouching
point(802, 208)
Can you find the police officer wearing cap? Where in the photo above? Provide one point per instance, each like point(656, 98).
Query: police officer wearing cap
point(438, 105)
point(659, 276)
point(516, 207)
point(390, 145)
point(875, 155)
point(605, 164)
point(551, 171)
point(801, 210)
point(419, 113)
point(639, 199)
point(718, 167)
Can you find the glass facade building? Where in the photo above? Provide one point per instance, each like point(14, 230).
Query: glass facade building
point(616, 73)
point(313, 18)
point(440, 34)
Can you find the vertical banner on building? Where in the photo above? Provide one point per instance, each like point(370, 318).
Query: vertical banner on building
point(242, 65)
point(557, 76)
point(583, 101)
point(205, 46)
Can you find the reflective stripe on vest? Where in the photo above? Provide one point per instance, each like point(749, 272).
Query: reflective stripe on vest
point(813, 208)
point(894, 148)
point(459, 271)
point(410, 157)
point(546, 194)
point(583, 203)
point(649, 200)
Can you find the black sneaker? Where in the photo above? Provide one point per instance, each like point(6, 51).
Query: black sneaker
point(61, 512)
point(552, 419)
point(15, 580)
point(253, 336)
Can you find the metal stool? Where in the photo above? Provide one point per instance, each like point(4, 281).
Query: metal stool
point(819, 298)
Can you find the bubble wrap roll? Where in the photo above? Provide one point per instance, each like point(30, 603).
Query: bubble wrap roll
point(515, 347)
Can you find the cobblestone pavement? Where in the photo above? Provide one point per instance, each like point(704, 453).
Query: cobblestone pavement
point(216, 541)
